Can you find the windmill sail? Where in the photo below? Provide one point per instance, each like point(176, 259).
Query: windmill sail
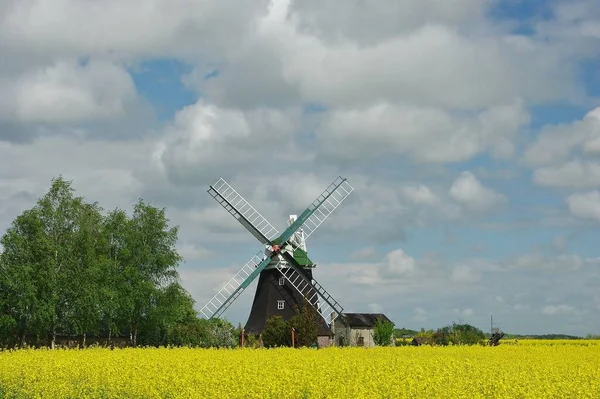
point(325, 204)
point(310, 289)
point(241, 209)
point(319, 210)
point(234, 287)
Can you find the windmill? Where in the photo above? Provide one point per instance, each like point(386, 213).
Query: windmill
point(284, 267)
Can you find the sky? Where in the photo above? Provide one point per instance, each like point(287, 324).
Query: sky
point(470, 131)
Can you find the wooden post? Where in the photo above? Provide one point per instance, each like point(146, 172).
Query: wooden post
point(293, 331)
point(242, 337)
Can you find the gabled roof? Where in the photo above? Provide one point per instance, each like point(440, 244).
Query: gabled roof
point(363, 319)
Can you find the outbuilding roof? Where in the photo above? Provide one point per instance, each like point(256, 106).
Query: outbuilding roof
point(363, 319)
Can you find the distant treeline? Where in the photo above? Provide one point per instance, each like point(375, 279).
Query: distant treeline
point(405, 332)
point(67, 269)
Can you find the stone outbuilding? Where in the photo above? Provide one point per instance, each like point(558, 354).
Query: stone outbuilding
point(356, 329)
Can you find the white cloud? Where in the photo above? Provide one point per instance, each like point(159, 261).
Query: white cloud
point(555, 144)
point(425, 134)
point(193, 252)
point(430, 65)
point(363, 253)
point(207, 140)
point(536, 260)
point(399, 263)
point(368, 23)
point(420, 194)
point(571, 174)
point(585, 205)
point(468, 191)
point(465, 274)
point(562, 156)
point(66, 92)
point(125, 28)
point(553, 310)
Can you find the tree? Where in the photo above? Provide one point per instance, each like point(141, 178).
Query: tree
point(458, 334)
point(39, 252)
point(222, 333)
point(65, 268)
point(24, 252)
point(383, 332)
point(150, 263)
point(84, 304)
point(276, 333)
point(305, 324)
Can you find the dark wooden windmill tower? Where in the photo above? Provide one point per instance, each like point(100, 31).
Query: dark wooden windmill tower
point(285, 271)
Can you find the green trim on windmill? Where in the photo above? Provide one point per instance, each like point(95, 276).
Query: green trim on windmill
point(302, 258)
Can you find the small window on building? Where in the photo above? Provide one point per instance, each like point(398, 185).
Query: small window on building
point(281, 280)
point(280, 304)
point(361, 341)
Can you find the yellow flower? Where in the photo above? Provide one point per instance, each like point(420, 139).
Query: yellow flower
point(527, 369)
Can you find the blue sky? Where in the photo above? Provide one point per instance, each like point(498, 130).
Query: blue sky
point(470, 131)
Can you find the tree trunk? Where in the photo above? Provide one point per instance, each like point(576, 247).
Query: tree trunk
point(135, 338)
point(84, 335)
point(53, 338)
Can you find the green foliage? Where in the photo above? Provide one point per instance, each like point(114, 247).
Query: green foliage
point(276, 332)
point(404, 332)
point(68, 269)
point(383, 332)
point(251, 341)
point(305, 324)
point(459, 334)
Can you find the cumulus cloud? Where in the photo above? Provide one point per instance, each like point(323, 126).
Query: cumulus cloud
point(585, 205)
point(425, 134)
point(465, 274)
point(468, 191)
point(432, 65)
point(207, 140)
point(363, 253)
point(125, 28)
point(420, 194)
point(66, 92)
point(562, 156)
point(399, 263)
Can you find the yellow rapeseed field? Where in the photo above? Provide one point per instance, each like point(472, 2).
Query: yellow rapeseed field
point(508, 371)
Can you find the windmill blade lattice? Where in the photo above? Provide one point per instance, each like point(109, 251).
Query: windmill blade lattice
point(241, 209)
point(310, 289)
point(325, 204)
point(233, 288)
